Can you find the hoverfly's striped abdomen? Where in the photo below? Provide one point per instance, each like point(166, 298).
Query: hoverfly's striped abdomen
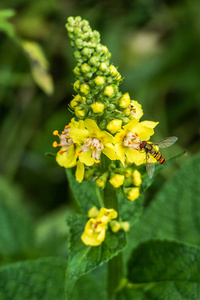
point(158, 156)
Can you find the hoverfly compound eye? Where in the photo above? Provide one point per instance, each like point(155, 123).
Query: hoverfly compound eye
point(143, 144)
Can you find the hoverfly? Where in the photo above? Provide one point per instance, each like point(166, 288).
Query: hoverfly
point(150, 150)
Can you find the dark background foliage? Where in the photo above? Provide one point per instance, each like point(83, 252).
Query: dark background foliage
point(155, 45)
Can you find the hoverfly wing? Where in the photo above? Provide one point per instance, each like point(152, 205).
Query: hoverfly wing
point(150, 167)
point(166, 142)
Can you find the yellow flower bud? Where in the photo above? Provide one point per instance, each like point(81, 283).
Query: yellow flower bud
point(103, 66)
point(75, 101)
point(117, 180)
point(101, 182)
point(85, 88)
point(136, 177)
point(105, 215)
point(128, 173)
point(79, 112)
point(93, 212)
point(97, 107)
point(133, 194)
point(77, 71)
point(127, 112)
point(113, 70)
point(124, 101)
point(115, 226)
point(99, 80)
point(114, 125)
point(109, 91)
point(85, 68)
point(125, 226)
point(77, 84)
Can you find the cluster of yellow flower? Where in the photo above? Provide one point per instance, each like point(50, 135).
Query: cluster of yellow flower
point(95, 230)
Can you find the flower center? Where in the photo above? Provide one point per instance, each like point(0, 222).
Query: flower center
point(132, 141)
point(133, 111)
point(95, 145)
point(65, 139)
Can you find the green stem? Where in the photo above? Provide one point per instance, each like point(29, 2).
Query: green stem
point(115, 265)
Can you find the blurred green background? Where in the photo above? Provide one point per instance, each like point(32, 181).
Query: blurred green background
point(155, 45)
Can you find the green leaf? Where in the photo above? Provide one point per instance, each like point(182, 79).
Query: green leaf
point(163, 270)
point(16, 234)
point(82, 258)
point(130, 211)
point(84, 192)
point(4, 24)
point(175, 211)
point(33, 280)
point(39, 66)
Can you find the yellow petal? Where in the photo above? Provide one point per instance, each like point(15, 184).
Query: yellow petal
point(67, 159)
point(80, 171)
point(136, 157)
point(105, 215)
point(139, 112)
point(110, 152)
point(79, 135)
point(91, 125)
point(86, 158)
point(129, 127)
point(120, 151)
point(90, 236)
point(149, 124)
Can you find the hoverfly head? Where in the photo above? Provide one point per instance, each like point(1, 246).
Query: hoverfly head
point(143, 144)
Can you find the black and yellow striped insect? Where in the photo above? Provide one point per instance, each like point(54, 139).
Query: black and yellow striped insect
point(150, 149)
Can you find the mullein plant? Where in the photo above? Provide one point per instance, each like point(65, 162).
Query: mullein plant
point(102, 142)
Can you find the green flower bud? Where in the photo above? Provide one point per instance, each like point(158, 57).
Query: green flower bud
point(77, 85)
point(79, 43)
point(85, 68)
point(99, 80)
point(80, 112)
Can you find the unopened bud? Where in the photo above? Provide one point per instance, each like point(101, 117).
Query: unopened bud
point(97, 107)
point(115, 226)
point(117, 180)
point(93, 212)
point(79, 112)
point(85, 88)
point(114, 125)
point(99, 80)
point(124, 101)
point(109, 91)
point(133, 193)
point(136, 177)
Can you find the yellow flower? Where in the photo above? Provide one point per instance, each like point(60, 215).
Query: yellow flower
point(93, 142)
point(95, 230)
point(133, 194)
point(129, 138)
point(136, 178)
point(114, 125)
point(97, 107)
point(117, 180)
point(67, 155)
point(136, 109)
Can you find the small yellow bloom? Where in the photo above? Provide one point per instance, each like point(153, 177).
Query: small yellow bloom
point(128, 139)
point(79, 112)
point(97, 107)
point(136, 178)
point(109, 91)
point(99, 80)
point(117, 180)
point(114, 125)
point(95, 230)
point(84, 88)
point(133, 194)
point(124, 101)
point(93, 212)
